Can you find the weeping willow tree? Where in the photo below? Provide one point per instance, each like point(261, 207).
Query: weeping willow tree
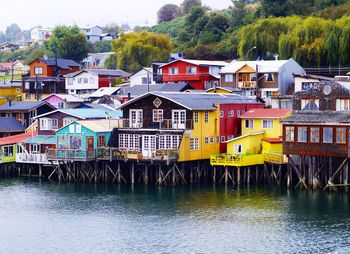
point(135, 50)
point(311, 41)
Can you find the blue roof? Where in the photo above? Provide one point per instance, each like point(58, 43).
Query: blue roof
point(22, 105)
point(10, 124)
point(92, 113)
point(42, 139)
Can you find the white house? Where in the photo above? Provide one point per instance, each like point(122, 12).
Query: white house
point(89, 80)
point(142, 77)
point(39, 35)
point(96, 60)
point(303, 82)
point(93, 34)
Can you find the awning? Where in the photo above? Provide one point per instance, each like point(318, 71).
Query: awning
point(42, 139)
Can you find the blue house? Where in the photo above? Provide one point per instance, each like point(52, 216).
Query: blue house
point(78, 141)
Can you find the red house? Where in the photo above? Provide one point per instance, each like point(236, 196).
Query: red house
point(199, 74)
point(230, 121)
point(46, 77)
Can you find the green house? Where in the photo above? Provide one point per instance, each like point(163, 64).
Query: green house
point(79, 140)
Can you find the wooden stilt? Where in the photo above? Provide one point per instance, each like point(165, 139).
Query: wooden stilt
point(132, 173)
point(145, 176)
point(214, 175)
point(238, 175)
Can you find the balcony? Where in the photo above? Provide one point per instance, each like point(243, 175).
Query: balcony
point(236, 160)
point(70, 155)
point(275, 158)
point(246, 84)
point(106, 153)
point(166, 124)
point(39, 158)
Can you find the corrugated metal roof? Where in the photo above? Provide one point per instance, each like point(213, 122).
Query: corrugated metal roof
point(10, 124)
point(17, 138)
point(104, 91)
point(199, 62)
point(62, 63)
point(22, 105)
point(197, 101)
point(138, 90)
point(66, 97)
point(103, 125)
point(87, 113)
point(318, 117)
point(102, 72)
point(265, 113)
point(41, 139)
point(264, 66)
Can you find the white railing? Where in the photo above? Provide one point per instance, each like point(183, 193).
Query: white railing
point(39, 158)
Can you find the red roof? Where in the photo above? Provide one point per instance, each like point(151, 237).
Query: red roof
point(265, 113)
point(6, 65)
point(17, 138)
point(273, 140)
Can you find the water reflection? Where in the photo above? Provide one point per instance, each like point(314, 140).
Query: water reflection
point(89, 218)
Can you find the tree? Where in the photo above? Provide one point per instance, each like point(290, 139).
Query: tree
point(111, 62)
point(275, 8)
point(136, 50)
point(187, 5)
point(238, 13)
point(113, 29)
point(168, 12)
point(195, 14)
point(102, 46)
point(13, 33)
point(2, 37)
point(74, 46)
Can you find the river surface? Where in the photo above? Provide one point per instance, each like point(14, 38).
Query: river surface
point(43, 217)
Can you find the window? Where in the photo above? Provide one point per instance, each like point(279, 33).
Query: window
point(341, 135)
point(194, 144)
point(343, 105)
point(136, 118)
point(179, 119)
point(101, 140)
point(302, 134)
point(314, 135)
point(231, 113)
point(85, 80)
point(211, 140)
point(228, 77)
point(196, 117)
point(237, 148)
point(67, 121)
point(157, 115)
point(8, 151)
point(229, 137)
point(28, 96)
point(270, 77)
point(249, 124)
point(38, 70)
point(78, 128)
point(221, 113)
point(71, 128)
point(206, 140)
point(173, 71)
point(144, 80)
point(222, 139)
point(129, 141)
point(327, 135)
point(191, 70)
point(238, 112)
point(70, 81)
point(267, 124)
point(206, 117)
point(218, 139)
point(310, 104)
point(75, 142)
point(60, 105)
point(48, 124)
point(34, 148)
point(92, 80)
point(54, 124)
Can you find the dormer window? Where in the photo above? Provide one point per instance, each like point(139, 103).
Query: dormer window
point(310, 104)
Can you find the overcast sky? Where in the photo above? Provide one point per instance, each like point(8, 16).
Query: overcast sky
point(28, 14)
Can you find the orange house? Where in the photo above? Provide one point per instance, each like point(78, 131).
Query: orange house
point(46, 77)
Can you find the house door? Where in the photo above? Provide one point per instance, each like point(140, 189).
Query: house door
point(135, 118)
point(148, 145)
point(90, 146)
point(179, 119)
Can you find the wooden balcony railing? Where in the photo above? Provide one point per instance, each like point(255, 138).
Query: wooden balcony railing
point(276, 158)
point(70, 154)
point(246, 84)
point(165, 124)
point(39, 158)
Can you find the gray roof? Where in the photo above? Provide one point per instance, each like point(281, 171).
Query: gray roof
point(197, 101)
point(22, 105)
point(8, 84)
point(318, 117)
point(102, 72)
point(10, 124)
point(61, 63)
point(138, 90)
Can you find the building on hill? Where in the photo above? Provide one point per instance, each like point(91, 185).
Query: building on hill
point(92, 33)
point(96, 60)
point(46, 77)
point(199, 74)
point(39, 35)
point(142, 77)
point(261, 78)
point(24, 111)
point(90, 80)
point(10, 127)
point(64, 101)
point(10, 91)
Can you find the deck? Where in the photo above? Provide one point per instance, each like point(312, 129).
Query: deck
point(240, 160)
point(70, 155)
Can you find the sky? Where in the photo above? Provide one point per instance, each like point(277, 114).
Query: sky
point(29, 14)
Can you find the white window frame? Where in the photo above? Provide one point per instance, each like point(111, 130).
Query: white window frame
point(191, 70)
point(206, 116)
point(196, 117)
point(173, 71)
point(290, 133)
point(228, 77)
point(267, 124)
point(237, 148)
point(248, 123)
point(194, 144)
point(157, 115)
point(136, 118)
point(231, 113)
point(38, 70)
point(178, 119)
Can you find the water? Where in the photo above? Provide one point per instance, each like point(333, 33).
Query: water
point(40, 217)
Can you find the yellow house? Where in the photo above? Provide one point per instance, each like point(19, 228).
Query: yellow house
point(10, 91)
point(261, 140)
point(223, 89)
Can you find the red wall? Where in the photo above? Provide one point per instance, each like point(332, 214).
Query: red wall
point(195, 80)
point(232, 125)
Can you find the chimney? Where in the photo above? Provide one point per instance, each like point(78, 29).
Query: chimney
point(129, 96)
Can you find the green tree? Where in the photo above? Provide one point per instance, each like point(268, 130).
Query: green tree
point(187, 5)
point(136, 50)
point(275, 8)
point(102, 46)
point(195, 14)
point(13, 33)
point(238, 13)
point(111, 62)
point(168, 12)
point(74, 46)
point(113, 29)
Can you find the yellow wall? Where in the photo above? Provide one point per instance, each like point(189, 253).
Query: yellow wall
point(201, 130)
point(250, 144)
point(275, 132)
point(271, 147)
point(11, 92)
point(218, 90)
point(246, 69)
point(32, 97)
